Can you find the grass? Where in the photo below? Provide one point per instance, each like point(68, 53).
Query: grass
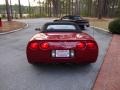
point(102, 23)
point(11, 25)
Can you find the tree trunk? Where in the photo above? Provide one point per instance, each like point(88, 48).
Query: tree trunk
point(50, 10)
point(89, 7)
point(11, 9)
point(69, 7)
point(56, 7)
point(72, 4)
point(105, 6)
point(100, 8)
point(66, 7)
point(20, 12)
point(77, 7)
point(113, 8)
point(8, 11)
point(29, 8)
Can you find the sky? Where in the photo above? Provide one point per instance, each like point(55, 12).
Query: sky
point(23, 2)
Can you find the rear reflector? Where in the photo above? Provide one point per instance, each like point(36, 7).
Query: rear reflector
point(81, 45)
point(44, 46)
point(34, 46)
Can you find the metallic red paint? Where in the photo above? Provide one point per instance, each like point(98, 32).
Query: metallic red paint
point(63, 41)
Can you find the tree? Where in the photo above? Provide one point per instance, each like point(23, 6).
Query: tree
point(118, 10)
point(55, 4)
point(39, 7)
point(100, 8)
point(56, 7)
point(8, 11)
point(20, 11)
point(11, 9)
point(77, 7)
point(29, 8)
point(89, 7)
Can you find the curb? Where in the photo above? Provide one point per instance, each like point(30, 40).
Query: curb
point(14, 30)
point(100, 29)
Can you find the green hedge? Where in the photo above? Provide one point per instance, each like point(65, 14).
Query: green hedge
point(114, 26)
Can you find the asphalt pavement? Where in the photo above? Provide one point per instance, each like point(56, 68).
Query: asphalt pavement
point(17, 74)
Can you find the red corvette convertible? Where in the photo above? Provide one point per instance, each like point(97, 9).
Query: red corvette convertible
point(61, 42)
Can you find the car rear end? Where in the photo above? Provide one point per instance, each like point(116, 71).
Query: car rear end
point(82, 23)
point(62, 51)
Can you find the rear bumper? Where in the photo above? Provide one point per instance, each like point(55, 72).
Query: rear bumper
point(68, 54)
point(60, 61)
point(47, 58)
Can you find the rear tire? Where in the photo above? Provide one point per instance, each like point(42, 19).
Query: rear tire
point(34, 64)
point(55, 20)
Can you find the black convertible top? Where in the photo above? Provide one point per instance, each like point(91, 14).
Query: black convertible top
point(73, 17)
point(44, 28)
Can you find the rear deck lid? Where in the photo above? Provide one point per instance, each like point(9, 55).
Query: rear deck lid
point(62, 36)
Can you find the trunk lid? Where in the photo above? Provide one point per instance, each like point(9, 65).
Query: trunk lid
point(62, 36)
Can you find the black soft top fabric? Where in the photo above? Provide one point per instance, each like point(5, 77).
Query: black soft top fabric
point(72, 16)
point(60, 23)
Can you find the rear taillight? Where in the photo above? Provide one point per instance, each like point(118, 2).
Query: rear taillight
point(91, 45)
point(86, 44)
point(44, 46)
point(81, 45)
point(34, 46)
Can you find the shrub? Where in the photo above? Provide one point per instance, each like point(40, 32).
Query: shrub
point(114, 26)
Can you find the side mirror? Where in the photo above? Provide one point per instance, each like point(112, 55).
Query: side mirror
point(37, 29)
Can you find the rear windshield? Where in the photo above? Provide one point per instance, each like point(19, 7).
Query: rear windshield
point(61, 27)
point(76, 17)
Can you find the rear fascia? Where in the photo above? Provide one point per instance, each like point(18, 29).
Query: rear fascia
point(44, 56)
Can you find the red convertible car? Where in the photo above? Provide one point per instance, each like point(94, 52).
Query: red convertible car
point(61, 42)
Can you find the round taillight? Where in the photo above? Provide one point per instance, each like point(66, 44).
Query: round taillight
point(44, 46)
point(34, 46)
point(81, 45)
point(91, 45)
